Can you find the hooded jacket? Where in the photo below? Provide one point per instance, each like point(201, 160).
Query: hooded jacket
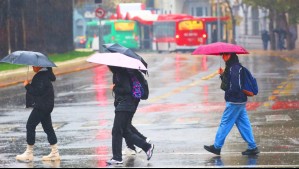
point(40, 93)
point(232, 73)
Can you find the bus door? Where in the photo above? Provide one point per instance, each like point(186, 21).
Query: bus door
point(164, 36)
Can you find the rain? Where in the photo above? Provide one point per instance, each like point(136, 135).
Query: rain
point(185, 104)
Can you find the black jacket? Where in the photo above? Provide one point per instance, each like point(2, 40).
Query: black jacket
point(40, 93)
point(124, 101)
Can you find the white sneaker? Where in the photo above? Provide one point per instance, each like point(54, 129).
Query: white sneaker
point(150, 152)
point(114, 162)
point(128, 151)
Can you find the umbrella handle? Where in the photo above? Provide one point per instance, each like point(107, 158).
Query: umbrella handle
point(27, 72)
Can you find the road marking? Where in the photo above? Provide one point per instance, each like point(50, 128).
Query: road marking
point(283, 89)
point(174, 91)
point(210, 76)
point(278, 117)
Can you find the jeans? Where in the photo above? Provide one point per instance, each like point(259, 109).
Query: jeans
point(235, 114)
point(121, 128)
point(40, 116)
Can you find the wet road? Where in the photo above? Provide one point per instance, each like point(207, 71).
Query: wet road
point(181, 115)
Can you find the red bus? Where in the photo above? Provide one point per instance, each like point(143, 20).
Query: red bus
point(178, 34)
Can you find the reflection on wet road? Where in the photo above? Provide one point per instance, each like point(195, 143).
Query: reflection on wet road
point(181, 115)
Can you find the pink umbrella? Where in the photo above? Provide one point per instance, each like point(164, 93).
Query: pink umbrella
point(218, 48)
point(116, 59)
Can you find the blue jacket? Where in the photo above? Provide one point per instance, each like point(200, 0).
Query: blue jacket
point(234, 93)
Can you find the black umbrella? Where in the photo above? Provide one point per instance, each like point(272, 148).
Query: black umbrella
point(28, 58)
point(115, 47)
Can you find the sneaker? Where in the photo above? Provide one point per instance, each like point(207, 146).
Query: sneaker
point(128, 151)
point(212, 149)
point(114, 162)
point(254, 151)
point(150, 151)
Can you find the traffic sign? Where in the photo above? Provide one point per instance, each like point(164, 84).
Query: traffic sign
point(100, 12)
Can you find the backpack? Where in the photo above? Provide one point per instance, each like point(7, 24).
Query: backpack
point(140, 88)
point(249, 83)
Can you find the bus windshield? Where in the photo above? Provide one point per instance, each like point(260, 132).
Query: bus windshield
point(191, 25)
point(124, 26)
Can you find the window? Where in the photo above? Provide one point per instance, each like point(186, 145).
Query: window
point(164, 29)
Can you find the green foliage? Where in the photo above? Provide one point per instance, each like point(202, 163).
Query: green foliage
point(7, 66)
point(53, 57)
point(68, 56)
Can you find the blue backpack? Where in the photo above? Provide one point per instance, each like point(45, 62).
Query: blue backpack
point(249, 83)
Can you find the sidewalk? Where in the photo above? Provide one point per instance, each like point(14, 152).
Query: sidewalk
point(13, 77)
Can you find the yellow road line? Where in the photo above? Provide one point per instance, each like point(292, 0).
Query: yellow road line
point(174, 91)
point(210, 76)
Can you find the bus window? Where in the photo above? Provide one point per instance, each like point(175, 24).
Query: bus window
point(167, 27)
point(191, 25)
point(124, 26)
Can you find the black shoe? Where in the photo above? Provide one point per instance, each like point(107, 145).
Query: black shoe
point(212, 149)
point(254, 151)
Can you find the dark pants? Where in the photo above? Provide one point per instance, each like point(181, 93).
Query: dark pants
point(121, 129)
point(40, 116)
point(265, 44)
point(135, 131)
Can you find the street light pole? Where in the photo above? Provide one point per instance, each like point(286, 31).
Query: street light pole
point(8, 26)
point(218, 22)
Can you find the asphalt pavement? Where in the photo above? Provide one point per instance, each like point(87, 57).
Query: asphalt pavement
point(179, 137)
point(13, 77)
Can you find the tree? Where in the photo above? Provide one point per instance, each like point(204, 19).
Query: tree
point(233, 19)
point(278, 12)
point(38, 25)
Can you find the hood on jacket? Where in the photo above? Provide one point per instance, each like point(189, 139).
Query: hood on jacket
point(233, 60)
point(51, 75)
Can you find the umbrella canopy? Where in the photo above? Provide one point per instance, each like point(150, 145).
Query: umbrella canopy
point(219, 48)
point(114, 47)
point(116, 59)
point(28, 58)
